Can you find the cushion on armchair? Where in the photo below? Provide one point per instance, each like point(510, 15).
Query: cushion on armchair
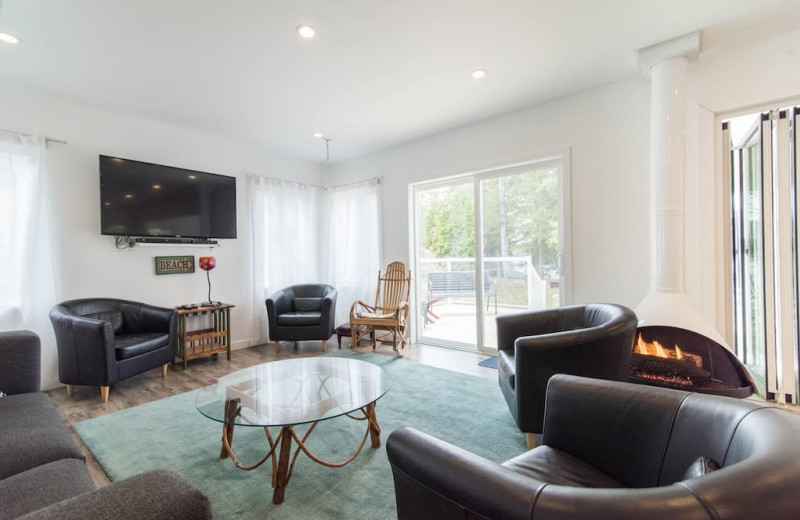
point(136, 344)
point(299, 318)
point(307, 304)
point(554, 466)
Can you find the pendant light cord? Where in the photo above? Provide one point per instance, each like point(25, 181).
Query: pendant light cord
point(327, 150)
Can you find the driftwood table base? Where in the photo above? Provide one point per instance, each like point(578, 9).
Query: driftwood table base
point(283, 462)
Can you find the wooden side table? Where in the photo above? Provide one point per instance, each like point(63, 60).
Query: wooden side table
point(197, 343)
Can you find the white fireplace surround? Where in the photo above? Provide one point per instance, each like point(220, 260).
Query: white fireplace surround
point(667, 303)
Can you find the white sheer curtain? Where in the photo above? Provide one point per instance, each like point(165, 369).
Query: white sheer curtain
point(304, 234)
point(286, 240)
point(353, 239)
point(27, 286)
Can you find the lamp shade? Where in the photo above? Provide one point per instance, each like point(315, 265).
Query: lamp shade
point(207, 263)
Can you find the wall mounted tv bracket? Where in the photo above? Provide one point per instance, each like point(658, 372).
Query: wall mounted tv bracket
point(132, 241)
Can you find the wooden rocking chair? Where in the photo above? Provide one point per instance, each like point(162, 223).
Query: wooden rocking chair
point(391, 309)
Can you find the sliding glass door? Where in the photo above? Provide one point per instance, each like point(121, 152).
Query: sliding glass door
point(762, 157)
point(487, 244)
point(520, 246)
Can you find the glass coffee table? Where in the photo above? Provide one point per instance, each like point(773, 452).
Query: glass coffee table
point(284, 394)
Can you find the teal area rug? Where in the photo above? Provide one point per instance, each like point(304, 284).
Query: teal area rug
point(490, 362)
point(467, 411)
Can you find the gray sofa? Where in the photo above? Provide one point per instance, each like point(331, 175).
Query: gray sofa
point(43, 474)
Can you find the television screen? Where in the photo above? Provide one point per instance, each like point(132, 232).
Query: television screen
point(140, 199)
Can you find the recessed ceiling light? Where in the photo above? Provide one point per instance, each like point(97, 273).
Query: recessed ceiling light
point(317, 135)
point(306, 31)
point(8, 38)
point(478, 74)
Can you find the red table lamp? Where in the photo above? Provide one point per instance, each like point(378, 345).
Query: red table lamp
point(207, 263)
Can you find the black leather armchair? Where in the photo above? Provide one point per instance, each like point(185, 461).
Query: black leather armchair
point(103, 340)
point(302, 312)
point(593, 340)
point(617, 451)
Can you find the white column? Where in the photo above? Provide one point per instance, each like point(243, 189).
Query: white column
point(667, 172)
point(667, 303)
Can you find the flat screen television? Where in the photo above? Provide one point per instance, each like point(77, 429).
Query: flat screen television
point(139, 199)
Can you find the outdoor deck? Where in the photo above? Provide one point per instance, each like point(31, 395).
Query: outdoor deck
point(457, 323)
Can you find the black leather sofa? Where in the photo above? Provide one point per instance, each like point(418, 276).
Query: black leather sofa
point(593, 340)
point(43, 475)
point(302, 312)
point(103, 340)
point(616, 451)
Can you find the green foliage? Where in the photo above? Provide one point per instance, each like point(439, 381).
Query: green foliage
point(529, 201)
point(448, 222)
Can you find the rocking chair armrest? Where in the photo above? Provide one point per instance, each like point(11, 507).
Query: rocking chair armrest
point(356, 304)
point(401, 312)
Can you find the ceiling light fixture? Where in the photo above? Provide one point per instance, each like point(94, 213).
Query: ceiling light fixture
point(478, 74)
point(306, 31)
point(7, 37)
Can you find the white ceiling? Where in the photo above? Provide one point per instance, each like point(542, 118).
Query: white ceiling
point(378, 74)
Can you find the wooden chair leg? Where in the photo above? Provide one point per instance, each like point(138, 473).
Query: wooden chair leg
point(531, 439)
point(70, 389)
point(104, 393)
point(277, 346)
point(164, 368)
point(324, 344)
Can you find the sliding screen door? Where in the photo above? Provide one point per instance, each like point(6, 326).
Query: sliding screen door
point(485, 245)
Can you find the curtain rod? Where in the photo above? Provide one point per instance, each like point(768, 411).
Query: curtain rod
point(46, 139)
point(379, 179)
point(317, 185)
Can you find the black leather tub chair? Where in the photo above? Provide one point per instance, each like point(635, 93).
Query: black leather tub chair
point(302, 312)
point(103, 340)
point(593, 340)
point(615, 451)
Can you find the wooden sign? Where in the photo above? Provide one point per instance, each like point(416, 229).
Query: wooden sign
point(174, 264)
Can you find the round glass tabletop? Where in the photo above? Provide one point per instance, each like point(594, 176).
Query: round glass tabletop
point(293, 391)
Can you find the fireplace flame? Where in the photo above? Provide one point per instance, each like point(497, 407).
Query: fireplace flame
point(655, 348)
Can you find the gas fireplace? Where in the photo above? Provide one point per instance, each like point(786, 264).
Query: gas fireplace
point(678, 358)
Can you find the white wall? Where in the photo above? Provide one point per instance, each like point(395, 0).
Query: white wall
point(607, 131)
point(87, 263)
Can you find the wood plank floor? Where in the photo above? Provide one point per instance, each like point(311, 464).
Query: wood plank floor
point(85, 402)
